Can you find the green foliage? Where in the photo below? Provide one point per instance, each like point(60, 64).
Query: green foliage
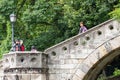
point(44, 23)
point(6, 43)
point(116, 72)
point(116, 12)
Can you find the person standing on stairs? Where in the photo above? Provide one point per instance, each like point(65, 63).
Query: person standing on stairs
point(82, 28)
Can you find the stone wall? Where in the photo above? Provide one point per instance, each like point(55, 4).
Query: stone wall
point(25, 65)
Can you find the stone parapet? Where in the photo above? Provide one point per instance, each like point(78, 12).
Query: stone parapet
point(25, 59)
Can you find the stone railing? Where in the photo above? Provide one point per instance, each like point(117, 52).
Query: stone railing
point(22, 59)
point(25, 61)
point(90, 39)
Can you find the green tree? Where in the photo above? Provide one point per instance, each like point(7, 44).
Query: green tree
point(44, 23)
point(6, 43)
point(116, 12)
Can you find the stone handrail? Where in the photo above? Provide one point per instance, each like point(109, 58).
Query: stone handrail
point(91, 32)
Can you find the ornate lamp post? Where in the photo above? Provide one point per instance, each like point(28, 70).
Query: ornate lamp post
point(13, 20)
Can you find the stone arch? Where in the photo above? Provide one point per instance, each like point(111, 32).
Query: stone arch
point(96, 61)
point(96, 68)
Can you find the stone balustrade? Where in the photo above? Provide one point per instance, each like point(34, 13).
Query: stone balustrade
point(22, 59)
point(86, 42)
point(24, 62)
point(24, 65)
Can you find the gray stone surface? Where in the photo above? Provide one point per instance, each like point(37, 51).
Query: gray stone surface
point(20, 60)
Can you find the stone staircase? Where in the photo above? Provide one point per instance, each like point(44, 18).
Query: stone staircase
point(68, 57)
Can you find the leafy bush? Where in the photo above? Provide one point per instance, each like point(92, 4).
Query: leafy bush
point(116, 72)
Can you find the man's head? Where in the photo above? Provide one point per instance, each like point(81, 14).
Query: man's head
point(17, 41)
